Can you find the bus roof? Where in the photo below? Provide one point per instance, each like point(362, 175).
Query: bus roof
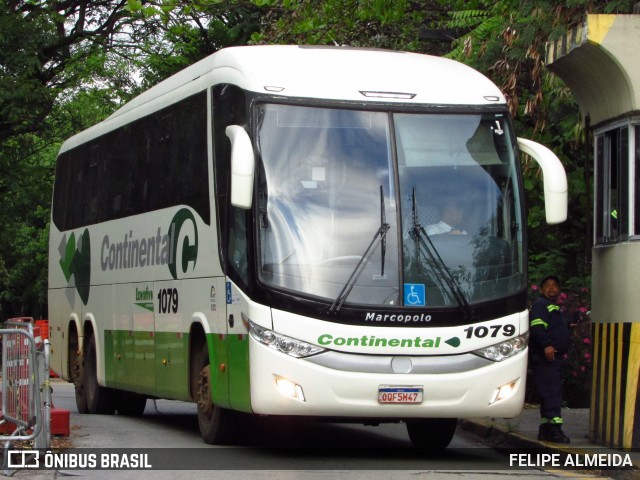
point(319, 72)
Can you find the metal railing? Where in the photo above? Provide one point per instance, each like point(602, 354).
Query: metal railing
point(26, 393)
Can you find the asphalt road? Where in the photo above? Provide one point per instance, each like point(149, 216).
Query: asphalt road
point(274, 448)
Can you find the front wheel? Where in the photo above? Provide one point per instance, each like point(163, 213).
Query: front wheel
point(432, 433)
point(215, 422)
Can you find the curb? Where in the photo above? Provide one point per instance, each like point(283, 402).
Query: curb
point(489, 431)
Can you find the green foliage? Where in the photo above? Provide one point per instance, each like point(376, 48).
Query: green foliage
point(506, 40)
point(24, 216)
point(179, 34)
point(66, 66)
point(393, 24)
point(579, 366)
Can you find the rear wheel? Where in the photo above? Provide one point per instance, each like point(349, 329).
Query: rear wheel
point(99, 399)
point(433, 433)
point(76, 374)
point(215, 422)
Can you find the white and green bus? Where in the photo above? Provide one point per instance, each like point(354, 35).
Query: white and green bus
point(256, 234)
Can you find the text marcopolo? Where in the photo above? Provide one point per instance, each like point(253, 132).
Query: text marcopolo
point(397, 317)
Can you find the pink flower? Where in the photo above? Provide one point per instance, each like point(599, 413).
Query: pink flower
point(583, 368)
point(582, 309)
point(587, 355)
point(575, 374)
point(586, 341)
point(584, 290)
point(534, 287)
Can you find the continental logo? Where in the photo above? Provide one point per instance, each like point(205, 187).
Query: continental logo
point(177, 247)
point(328, 340)
point(75, 261)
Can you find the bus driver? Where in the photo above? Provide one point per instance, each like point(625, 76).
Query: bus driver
point(450, 221)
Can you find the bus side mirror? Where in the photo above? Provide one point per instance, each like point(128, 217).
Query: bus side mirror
point(554, 179)
point(242, 166)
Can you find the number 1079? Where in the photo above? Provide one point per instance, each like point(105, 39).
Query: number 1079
point(483, 331)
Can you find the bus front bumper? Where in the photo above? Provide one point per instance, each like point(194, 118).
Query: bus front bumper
point(283, 385)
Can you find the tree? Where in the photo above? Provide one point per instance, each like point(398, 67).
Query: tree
point(47, 48)
point(506, 40)
point(49, 51)
point(65, 66)
point(179, 34)
point(393, 24)
point(26, 189)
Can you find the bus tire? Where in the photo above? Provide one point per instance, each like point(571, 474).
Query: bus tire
point(215, 422)
point(100, 400)
point(431, 433)
point(76, 372)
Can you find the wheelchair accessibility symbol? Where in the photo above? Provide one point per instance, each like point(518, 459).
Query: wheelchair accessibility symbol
point(415, 294)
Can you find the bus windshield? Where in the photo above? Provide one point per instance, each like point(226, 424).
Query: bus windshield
point(444, 187)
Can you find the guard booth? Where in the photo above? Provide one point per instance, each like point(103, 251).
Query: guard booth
point(600, 62)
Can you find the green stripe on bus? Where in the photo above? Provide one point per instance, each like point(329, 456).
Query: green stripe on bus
point(158, 365)
point(148, 363)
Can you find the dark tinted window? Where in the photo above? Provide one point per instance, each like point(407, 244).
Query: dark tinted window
point(156, 162)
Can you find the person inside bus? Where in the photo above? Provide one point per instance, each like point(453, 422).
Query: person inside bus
point(450, 220)
point(549, 343)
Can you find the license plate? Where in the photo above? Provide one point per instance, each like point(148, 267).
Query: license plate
point(397, 394)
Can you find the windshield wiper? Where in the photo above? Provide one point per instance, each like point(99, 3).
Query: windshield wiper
point(380, 238)
point(383, 241)
point(442, 272)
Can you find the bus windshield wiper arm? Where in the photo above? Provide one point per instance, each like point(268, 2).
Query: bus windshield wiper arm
point(383, 241)
point(380, 237)
point(441, 270)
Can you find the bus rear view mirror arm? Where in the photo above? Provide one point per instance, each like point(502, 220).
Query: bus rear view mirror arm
point(554, 179)
point(242, 166)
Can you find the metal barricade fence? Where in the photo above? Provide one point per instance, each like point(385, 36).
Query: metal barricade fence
point(26, 392)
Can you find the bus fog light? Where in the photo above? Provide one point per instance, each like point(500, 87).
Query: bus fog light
point(504, 392)
point(289, 389)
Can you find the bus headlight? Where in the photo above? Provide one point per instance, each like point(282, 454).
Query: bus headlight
point(502, 351)
point(282, 343)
